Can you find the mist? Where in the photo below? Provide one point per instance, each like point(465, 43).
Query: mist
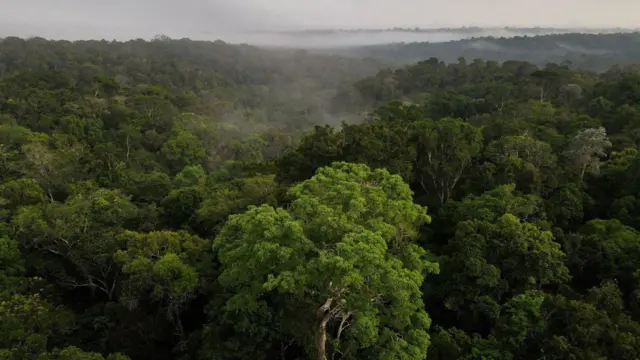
point(338, 39)
point(258, 21)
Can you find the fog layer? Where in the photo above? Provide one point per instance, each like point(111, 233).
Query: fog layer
point(247, 20)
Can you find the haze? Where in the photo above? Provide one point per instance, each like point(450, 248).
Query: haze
point(241, 20)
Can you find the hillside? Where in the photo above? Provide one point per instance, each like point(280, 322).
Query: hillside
point(235, 83)
point(588, 51)
point(319, 39)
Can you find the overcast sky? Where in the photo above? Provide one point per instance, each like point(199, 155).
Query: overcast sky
point(76, 19)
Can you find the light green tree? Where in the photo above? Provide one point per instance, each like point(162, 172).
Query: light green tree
point(586, 149)
point(338, 270)
point(182, 149)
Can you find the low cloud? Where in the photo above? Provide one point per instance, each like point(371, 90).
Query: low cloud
point(124, 19)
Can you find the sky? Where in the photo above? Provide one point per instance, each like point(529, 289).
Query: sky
point(123, 19)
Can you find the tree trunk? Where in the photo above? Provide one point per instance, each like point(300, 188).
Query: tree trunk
point(584, 170)
point(283, 350)
point(321, 340)
point(343, 325)
point(325, 313)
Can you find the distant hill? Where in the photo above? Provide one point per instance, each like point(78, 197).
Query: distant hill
point(589, 51)
point(330, 38)
point(469, 30)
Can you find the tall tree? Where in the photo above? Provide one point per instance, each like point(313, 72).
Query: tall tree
point(445, 149)
point(586, 149)
point(342, 257)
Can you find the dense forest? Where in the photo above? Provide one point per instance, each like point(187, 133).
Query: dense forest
point(240, 85)
point(173, 199)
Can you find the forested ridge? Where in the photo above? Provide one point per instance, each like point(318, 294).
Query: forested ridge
point(240, 85)
point(596, 52)
point(172, 199)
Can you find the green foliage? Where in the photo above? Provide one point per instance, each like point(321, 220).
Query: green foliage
point(501, 258)
point(146, 187)
point(604, 250)
point(73, 353)
point(584, 329)
point(379, 146)
point(181, 204)
point(586, 149)
point(79, 233)
point(346, 194)
point(171, 200)
point(232, 197)
point(21, 192)
point(525, 161)
point(161, 267)
point(27, 323)
point(331, 256)
point(183, 149)
point(11, 264)
point(189, 176)
point(446, 148)
point(491, 205)
point(320, 148)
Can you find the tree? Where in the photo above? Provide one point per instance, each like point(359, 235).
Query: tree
point(586, 149)
point(585, 328)
point(499, 247)
point(520, 323)
point(162, 267)
point(521, 320)
point(11, 264)
point(319, 148)
point(181, 204)
point(445, 149)
point(145, 187)
point(498, 259)
point(233, 197)
point(604, 250)
point(190, 176)
point(12, 139)
point(565, 207)
point(79, 235)
point(249, 150)
point(355, 285)
point(51, 168)
point(183, 149)
point(524, 161)
point(379, 145)
point(28, 323)
point(21, 192)
point(154, 105)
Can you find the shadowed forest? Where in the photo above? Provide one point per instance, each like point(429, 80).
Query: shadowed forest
point(179, 199)
point(598, 52)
